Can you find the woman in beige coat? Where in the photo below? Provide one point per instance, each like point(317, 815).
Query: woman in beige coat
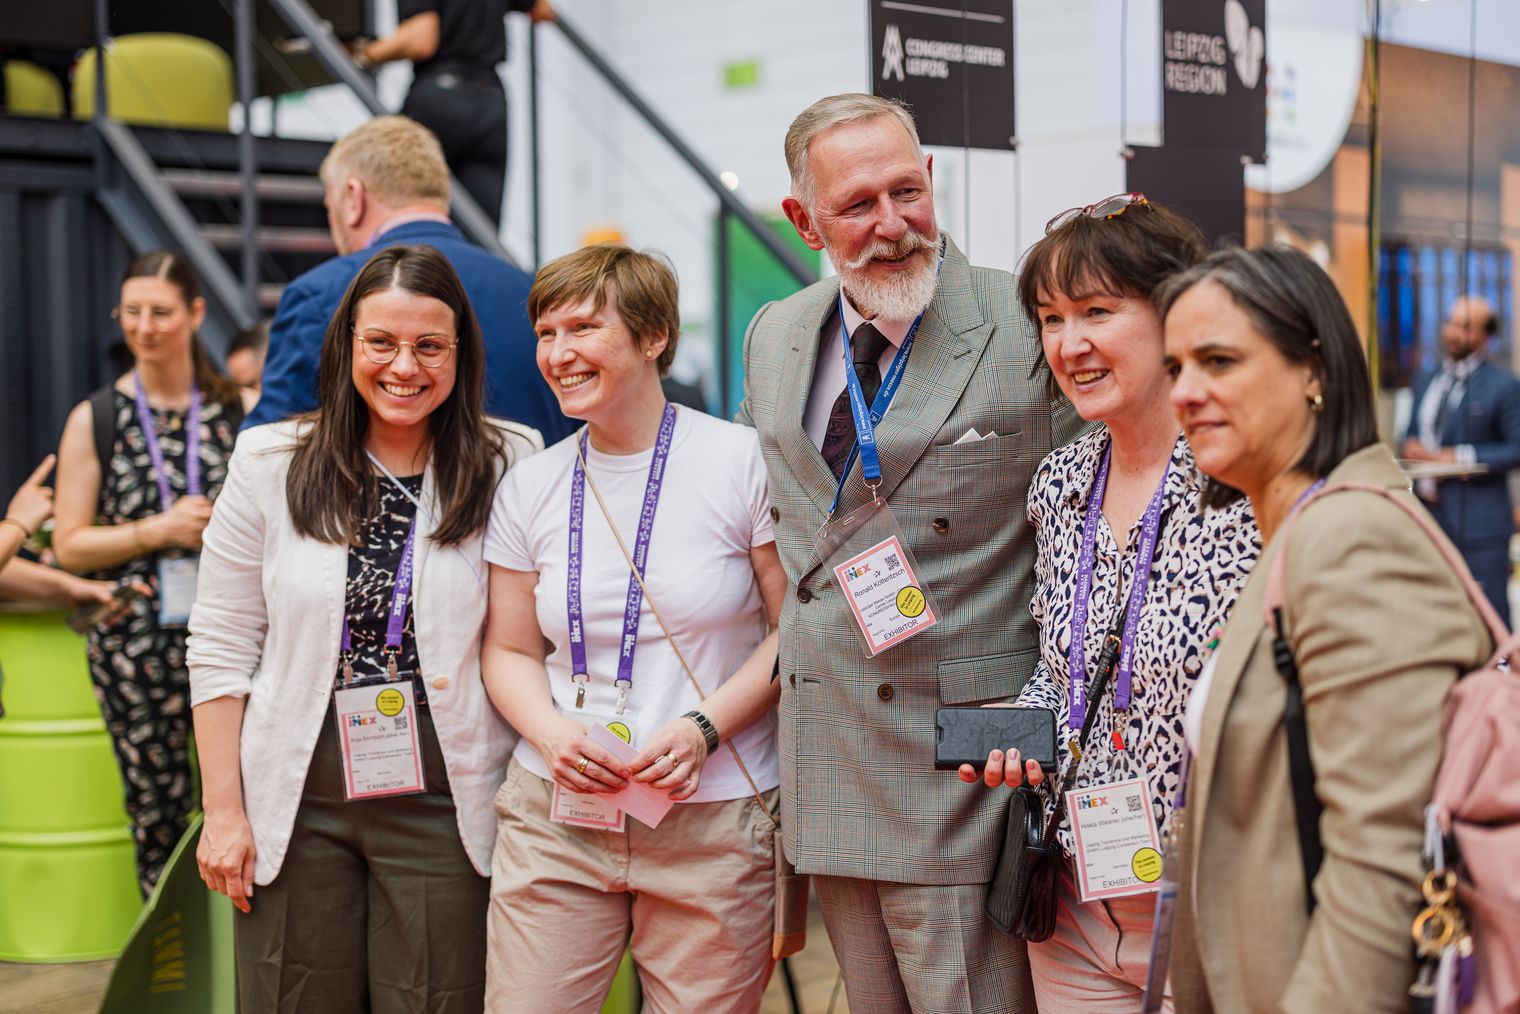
point(1273, 393)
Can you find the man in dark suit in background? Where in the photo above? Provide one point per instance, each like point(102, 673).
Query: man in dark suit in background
point(1467, 411)
point(386, 183)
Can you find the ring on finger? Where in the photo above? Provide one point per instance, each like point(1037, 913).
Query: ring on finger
point(673, 762)
point(580, 768)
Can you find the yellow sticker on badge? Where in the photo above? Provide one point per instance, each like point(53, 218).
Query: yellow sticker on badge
point(621, 731)
point(1146, 865)
point(910, 601)
point(389, 702)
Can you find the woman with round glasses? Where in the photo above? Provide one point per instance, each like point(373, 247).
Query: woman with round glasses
point(1124, 552)
point(139, 464)
point(348, 749)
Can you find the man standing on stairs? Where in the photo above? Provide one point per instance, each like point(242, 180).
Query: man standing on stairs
point(455, 47)
point(386, 183)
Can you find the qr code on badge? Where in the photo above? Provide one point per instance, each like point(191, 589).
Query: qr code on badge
point(402, 722)
point(1135, 804)
point(892, 562)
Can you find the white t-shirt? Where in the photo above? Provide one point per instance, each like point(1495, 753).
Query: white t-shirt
point(712, 511)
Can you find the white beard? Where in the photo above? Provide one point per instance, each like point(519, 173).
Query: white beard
point(903, 296)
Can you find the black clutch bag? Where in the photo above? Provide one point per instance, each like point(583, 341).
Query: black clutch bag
point(1021, 900)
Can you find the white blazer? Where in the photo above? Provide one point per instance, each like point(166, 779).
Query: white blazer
point(266, 624)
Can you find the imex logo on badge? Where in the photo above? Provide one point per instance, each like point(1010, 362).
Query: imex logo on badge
point(359, 721)
point(857, 572)
point(1092, 802)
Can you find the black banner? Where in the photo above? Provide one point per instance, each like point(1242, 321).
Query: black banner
point(1214, 75)
point(951, 61)
point(1214, 112)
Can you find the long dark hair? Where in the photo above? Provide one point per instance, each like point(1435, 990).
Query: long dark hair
point(331, 489)
point(176, 270)
point(1296, 307)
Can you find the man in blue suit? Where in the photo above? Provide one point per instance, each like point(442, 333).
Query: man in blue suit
point(1468, 412)
point(386, 183)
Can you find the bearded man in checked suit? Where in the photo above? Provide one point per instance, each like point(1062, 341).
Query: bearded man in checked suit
point(901, 854)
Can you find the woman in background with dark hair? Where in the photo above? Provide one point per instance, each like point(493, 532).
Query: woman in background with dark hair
point(1274, 396)
point(348, 748)
point(139, 464)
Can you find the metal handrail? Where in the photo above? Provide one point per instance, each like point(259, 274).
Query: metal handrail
point(215, 277)
point(730, 204)
point(331, 54)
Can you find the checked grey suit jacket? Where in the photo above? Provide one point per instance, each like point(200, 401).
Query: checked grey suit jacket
point(859, 793)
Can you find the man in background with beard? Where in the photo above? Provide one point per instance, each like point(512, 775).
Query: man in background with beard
point(901, 853)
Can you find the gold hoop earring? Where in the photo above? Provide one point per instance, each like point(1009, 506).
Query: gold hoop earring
point(1317, 404)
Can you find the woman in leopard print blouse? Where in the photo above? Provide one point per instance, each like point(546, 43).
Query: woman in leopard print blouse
point(1089, 287)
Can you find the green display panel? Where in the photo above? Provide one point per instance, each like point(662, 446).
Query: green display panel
point(755, 278)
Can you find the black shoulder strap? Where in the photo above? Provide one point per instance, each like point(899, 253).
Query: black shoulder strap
point(1306, 805)
point(103, 407)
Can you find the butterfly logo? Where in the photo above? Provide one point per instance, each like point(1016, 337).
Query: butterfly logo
point(1247, 43)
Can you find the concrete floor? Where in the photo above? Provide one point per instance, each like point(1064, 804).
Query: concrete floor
point(78, 988)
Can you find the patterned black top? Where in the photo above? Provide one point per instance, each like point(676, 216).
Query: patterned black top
point(1202, 560)
point(371, 580)
point(129, 491)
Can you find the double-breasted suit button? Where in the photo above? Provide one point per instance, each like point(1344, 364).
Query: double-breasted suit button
point(440, 682)
point(885, 692)
point(775, 515)
point(804, 596)
point(792, 679)
point(941, 525)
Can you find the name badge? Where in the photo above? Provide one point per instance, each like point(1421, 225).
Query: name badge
point(593, 809)
point(377, 730)
point(1118, 848)
point(878, 575)
point(176, 588)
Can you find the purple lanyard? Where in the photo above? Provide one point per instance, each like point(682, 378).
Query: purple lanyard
point(395, 621)
point(1145, 553)
point(635, 602)
point(156, 453)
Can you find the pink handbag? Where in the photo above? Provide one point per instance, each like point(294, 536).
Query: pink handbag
point(1477, 792)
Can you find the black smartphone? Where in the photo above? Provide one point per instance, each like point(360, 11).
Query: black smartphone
point(968, 735)
point(91, 613)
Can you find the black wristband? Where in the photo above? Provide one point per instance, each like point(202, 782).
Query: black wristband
point(709, 732)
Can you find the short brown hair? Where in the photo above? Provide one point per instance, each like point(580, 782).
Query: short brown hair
point(642, 286)
point(1128, 255)
point(398, 159)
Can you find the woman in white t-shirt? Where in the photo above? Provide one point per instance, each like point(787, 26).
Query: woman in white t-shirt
point(572, 642)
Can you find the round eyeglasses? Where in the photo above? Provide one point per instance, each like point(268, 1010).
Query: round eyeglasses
point(429, 352)
point(1109, 207)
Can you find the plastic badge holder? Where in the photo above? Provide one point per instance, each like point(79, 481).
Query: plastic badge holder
point(870, 561)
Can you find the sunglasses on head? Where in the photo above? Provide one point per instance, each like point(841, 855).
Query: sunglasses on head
point(1109, 207)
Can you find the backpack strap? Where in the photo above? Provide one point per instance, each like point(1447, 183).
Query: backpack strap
point(103, 409)
point(1306, 804)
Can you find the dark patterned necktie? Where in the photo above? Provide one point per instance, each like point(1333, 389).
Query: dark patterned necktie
point(866, 346)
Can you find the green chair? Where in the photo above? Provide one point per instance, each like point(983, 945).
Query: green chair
point(180, 957)
point(68, 873)
point(159, 79)
point(31, 90)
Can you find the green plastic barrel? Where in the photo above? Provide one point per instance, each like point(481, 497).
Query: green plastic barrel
point(68, 874)
point(624, 997)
